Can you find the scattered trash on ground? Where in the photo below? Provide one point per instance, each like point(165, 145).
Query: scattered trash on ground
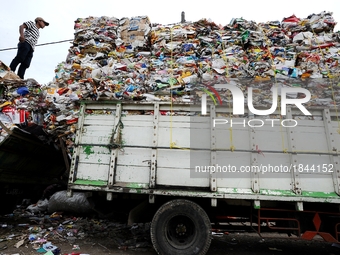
point(43, 232)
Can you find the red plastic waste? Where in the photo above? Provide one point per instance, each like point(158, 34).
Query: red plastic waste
point(292, 19)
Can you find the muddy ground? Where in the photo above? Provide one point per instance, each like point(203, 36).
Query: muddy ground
point(231, 243)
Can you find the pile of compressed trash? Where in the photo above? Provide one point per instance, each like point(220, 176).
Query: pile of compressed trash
point(21, 101)
point(132, 59)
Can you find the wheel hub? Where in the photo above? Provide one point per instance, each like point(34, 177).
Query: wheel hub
point(181, 229)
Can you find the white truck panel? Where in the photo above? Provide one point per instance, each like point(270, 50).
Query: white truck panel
point(153, 152)
point(133, 174)
point(93, 172)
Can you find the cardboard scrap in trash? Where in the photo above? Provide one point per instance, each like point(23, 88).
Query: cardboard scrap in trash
point(18, 244)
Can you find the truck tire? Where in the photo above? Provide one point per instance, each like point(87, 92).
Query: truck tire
point(181, 227)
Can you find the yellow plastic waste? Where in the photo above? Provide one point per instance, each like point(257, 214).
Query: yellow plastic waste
point(5, 103)
point(76, 66)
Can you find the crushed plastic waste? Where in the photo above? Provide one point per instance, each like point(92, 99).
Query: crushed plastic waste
point(132, 59)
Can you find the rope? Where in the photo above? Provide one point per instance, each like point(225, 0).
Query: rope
point(171, 82)
point(117, 145)
point(42, 44)
point(210, 94)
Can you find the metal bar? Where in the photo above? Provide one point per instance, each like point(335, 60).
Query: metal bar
point(332, 147)
point(114, 151)
point(212, 176)
point(206, 194)
point(293, 157)
point(75, 156)
point(218, 149)
point(255, 184)
point(153, 163)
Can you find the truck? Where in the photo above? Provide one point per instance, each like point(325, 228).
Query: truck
point(198, 168)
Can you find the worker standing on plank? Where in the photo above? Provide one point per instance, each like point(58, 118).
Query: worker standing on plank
point(29, 34)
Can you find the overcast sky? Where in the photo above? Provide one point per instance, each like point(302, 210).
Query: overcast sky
point(62, 13)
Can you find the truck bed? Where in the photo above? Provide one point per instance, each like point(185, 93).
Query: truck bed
point(163, 149)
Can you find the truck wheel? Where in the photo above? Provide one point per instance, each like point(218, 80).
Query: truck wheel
point(181, 227)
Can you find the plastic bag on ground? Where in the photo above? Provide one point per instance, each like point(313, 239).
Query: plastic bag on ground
point(40, 206)
point(78, 203)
